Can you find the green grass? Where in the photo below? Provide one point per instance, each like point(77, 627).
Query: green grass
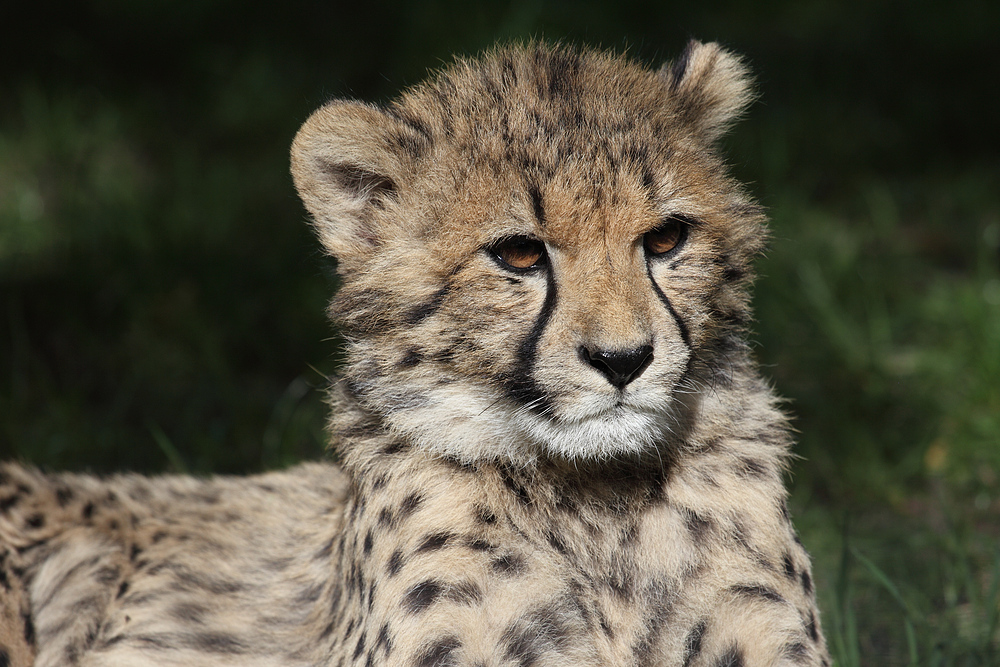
point(879, 316)
point(161, 300)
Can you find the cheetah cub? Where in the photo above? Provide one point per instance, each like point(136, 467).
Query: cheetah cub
point(554, 445)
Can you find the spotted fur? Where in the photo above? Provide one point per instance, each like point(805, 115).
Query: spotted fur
point(572, 462)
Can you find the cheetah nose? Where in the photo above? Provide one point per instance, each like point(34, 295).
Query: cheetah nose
point(619, 366)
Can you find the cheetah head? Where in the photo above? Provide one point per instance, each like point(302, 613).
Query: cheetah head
point(541, 253)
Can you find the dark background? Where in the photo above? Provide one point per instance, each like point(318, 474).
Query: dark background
point(161, 297)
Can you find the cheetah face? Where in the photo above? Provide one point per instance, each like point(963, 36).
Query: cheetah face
point(541, 253)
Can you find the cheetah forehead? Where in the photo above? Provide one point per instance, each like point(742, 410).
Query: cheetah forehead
point(492, 142)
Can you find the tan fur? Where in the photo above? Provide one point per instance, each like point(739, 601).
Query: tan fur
point(575, 463)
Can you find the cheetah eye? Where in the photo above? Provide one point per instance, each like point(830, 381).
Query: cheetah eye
point(667, 237)
point(520, 253)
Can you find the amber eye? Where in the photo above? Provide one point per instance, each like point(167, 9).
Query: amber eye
point(668, 236)
point(520, 252)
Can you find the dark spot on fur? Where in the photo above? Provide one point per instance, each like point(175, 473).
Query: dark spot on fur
point(189, 611)
point(29, 628)
point(88, 510)
point(731, 658)
point(481, 545)
point(796, 651)
point(8, 502)
point(556, 543)
point(395, 562)
point(789, 566)
point(360, 647)
point(383, 639)
point(434, 542)
point(439, 653)
point(485, 516)
point(4, 657)
point(807, 583)
point(187, 580)
point(508, 565)
point(464, 592)
point(310, 594)
point(35, 521)
point(534, 635)
point(395, 447)
point(662, 596)
point(516, 488)
point(326, 550)
point(756, 591)
point(214, 642)
point(422, 595)
point(409, 505)
point(698, 526)
point(748, 467)
point(692, 643)
point(64, 495)
point(367, 546)
point(412, 358)
point(811, 626)
point(620, 584)
point(605, 626)
point(107, 575)
point(536, 204)
point(732, 273)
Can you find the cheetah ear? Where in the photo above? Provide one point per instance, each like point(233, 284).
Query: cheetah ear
point(347, 169)
point(710, 88)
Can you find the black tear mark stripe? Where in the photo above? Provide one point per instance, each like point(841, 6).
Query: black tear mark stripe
point(521, 385)
point(681, 325)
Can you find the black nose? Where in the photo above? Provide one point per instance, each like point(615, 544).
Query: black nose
point(619, 366)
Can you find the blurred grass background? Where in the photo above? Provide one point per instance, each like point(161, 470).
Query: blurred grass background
point(161, 299)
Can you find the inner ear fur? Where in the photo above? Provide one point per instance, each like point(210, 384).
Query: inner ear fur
point(710, 88)
point(346, 170)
